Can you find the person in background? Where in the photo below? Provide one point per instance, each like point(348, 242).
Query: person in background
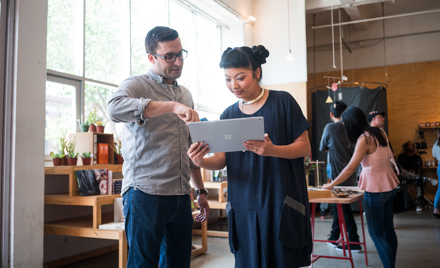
point(436, 154)
point(334, 141)
point(157, 172)
point(376, 119)
point(409, 160)
point(268, 208)
point(410, 163)
point(377, 179)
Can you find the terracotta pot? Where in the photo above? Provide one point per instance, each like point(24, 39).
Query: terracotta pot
point(84, 128)
point(57, 161)
point(119, 159)
point(100, 129)
point(64, 161)
point(92, 128)
point(72, 161)
point(86, 161)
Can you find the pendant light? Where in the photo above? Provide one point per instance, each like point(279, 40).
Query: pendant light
point(329, 99)
point(289, 56)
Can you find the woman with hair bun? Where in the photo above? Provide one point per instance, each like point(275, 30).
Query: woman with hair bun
point(268, 208)
point(377, 179)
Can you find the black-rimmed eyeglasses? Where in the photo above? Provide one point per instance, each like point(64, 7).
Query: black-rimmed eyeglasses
point(172, 57)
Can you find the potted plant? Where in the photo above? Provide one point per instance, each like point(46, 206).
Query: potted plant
point(117, 147)
point(86, 158)
point(61, 147)
point(84, 126)
point(57, 159)
point(72, 157)
point(309, 166)
point(93, 117)
point(99, 125)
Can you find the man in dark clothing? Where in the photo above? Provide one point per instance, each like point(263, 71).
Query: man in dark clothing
point(334, 141)
point(409, 160)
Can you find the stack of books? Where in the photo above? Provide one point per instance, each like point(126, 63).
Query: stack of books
point(116, 186)
point(97, 182)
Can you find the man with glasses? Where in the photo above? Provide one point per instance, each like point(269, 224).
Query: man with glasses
point(157, 171)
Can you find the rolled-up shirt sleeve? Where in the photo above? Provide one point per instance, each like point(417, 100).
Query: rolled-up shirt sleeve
point(126, 105)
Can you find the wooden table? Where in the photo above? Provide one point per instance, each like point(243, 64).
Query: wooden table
point(344, 236)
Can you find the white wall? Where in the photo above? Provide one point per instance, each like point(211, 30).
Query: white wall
point(399, 50)
point(28, 134)
point(271, 30)
point(244, 7)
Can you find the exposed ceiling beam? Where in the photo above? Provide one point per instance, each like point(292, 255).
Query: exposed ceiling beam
point(355, 13)
point(374, 19)
point(314, 6)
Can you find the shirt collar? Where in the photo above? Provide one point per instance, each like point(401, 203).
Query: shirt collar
point(159, 79)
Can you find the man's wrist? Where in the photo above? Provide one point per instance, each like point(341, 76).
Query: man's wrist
point(202, 191)
point(173, 106)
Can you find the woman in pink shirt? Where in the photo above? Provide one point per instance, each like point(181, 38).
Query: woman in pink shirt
point(377, 179)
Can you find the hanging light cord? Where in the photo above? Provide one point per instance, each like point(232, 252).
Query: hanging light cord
point(333, 36)
point(288, 23)
point(384, 47)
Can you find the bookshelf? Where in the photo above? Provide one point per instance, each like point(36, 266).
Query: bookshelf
point(88, 142)
point(88, 226)
point(70, 170)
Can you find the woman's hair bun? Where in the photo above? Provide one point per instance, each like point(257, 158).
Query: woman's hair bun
point(260, 53)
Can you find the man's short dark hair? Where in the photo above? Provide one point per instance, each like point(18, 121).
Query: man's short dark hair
point(159, 34)
point(339, 109)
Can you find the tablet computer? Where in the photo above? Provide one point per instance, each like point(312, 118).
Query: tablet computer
point(227, 135)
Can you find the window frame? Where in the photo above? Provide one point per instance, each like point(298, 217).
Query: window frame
point(80, 103)
point(7, 21)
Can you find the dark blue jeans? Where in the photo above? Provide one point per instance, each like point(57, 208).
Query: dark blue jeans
point(379, 213)
point(158, 229)
point(437, 195)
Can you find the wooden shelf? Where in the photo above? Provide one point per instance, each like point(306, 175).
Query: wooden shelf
point(88, 226)
point(95, 201)
point(220, 186)
point(70, 170)
point(66, 170)
point(215, 184)
point(434, 127)
point(91, 200)
point(82, 227)
point(431, 167)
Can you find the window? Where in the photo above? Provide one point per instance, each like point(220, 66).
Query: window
point(140, 25)
point(60, 110)
point(65, 36)
point(95, 44)
point(96, 97)
point(107, 40)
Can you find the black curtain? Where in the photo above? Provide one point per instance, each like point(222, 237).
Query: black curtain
point(366, 99)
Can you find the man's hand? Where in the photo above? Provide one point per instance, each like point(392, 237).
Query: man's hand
point(202, 201)
point(185, 113)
